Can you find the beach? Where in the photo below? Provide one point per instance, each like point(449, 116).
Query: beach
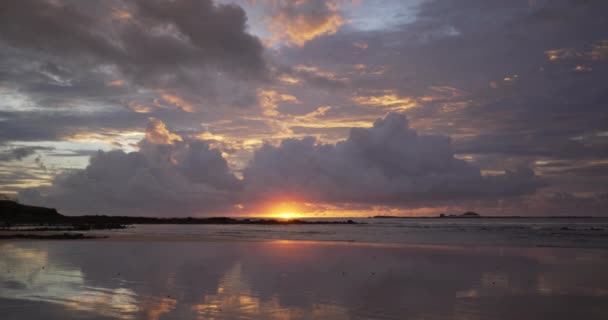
point(303, 159)
point(168, 272)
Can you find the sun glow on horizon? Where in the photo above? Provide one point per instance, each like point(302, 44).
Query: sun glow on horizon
point(300, 209)
point(287, 215)
point(285, 211)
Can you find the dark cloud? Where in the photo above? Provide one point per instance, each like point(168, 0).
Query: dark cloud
point(45, 126)
point(559, 144)
point(18, 153)
point(104, 60)
point(388, 163)
point(151, 41)
point(559, 204)
point(471, 45)
point(217, 31)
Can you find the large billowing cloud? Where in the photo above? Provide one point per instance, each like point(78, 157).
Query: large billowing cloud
point(387, 164)
point(167, 176)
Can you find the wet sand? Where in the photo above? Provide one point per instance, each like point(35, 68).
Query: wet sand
point(175, 278)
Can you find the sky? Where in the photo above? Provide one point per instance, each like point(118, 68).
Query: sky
point(305, 107)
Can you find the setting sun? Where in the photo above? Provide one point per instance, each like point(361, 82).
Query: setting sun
point(287, 215)
point(284, 210)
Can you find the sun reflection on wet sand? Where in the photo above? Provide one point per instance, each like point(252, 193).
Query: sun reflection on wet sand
point(235, 300)
point(155, 310)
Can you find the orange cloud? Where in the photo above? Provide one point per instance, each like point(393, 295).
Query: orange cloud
point(581, 68)
point(388, 98)
point(178, 102)
point(391, 99)
point(165, 100)
point(318, 72)
point(301, 21)
point(561, 54)
point(139, 107)
point(157, 132)
point(269, 101)
point(121, 14)
point(598, 51)
point(115, 83)
point(206, 135)
point(288, 79)
point(320, 111)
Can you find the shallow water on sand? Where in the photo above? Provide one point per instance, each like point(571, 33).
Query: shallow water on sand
point(113, 279)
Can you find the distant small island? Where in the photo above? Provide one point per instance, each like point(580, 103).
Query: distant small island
point(475, 215)
point(13, 214)
point(468, 214)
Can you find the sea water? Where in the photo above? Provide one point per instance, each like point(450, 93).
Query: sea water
point(559, 232)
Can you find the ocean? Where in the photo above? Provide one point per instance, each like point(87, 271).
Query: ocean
point(558, 232)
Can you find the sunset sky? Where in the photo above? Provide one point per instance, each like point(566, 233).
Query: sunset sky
point(305, 107)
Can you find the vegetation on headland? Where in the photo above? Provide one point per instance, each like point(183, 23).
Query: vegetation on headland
point(46, 219)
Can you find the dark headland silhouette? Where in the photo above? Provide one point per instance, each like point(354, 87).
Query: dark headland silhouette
point(16, 214)
point(11, 211)
point(468, 214)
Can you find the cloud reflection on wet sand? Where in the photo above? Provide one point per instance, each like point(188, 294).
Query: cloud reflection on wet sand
point(297, 280)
